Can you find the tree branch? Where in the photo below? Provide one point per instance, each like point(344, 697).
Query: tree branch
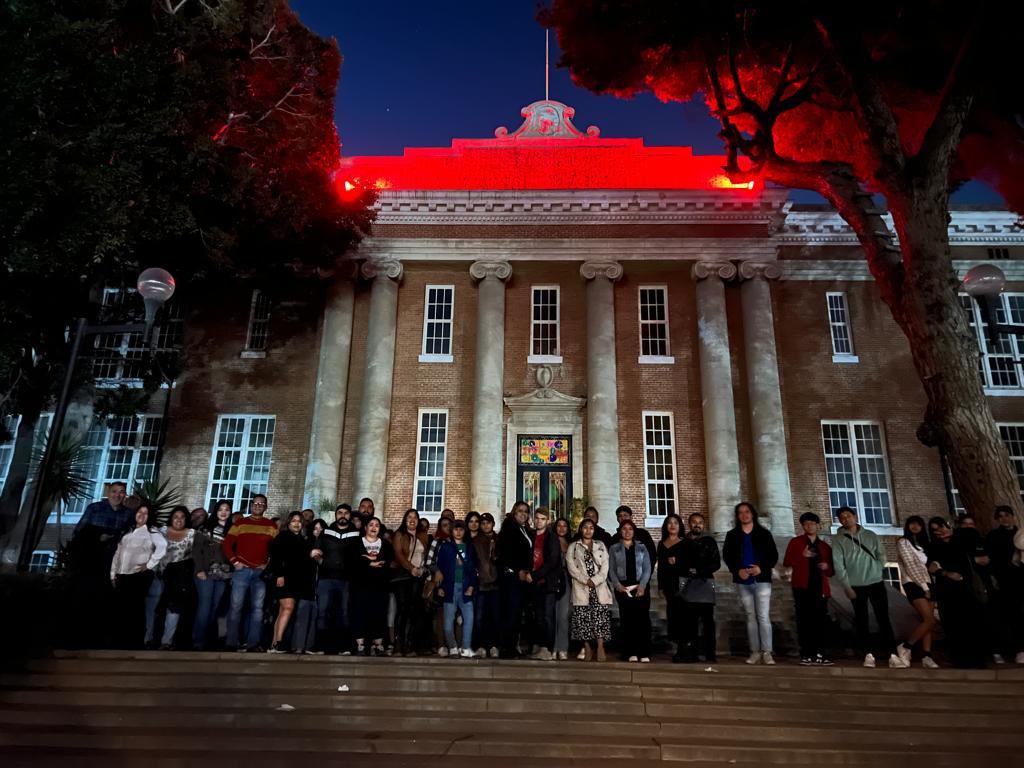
point(943, 135)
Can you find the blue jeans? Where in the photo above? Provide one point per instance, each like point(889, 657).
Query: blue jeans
point(246, 581)
point(156, 591)
point(332, 615)
point(303, 631)
point(459, 603)
point(209, 593)
point(756, 599)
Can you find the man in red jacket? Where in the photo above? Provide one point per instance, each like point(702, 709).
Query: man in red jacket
point(247, 547)
point(811, 561)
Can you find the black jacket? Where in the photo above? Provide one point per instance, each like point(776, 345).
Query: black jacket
point(547, 576)
point(515, 547)
point(361, 574)
point(669, 573)
point(289, 557)
point(333, 546)
point(701, 559)
point(765, 552)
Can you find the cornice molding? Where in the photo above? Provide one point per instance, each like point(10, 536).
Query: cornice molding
point(853, 270)
point(965, 228)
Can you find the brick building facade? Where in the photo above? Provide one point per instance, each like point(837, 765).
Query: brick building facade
point(672, 345)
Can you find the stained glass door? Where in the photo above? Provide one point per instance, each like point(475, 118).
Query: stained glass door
point(544, 473)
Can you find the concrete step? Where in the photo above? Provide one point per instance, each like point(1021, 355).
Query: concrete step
point(112, 708)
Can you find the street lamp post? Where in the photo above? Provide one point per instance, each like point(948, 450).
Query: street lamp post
point(984, 283)
point(156, 286)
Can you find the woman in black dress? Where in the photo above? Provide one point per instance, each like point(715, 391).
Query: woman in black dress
point(670, 550)
point(294, 572)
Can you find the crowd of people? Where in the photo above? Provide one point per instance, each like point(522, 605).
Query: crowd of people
point(534, 587)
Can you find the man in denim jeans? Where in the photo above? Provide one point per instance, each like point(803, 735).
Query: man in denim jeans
point(247, 547)
point(750, 554)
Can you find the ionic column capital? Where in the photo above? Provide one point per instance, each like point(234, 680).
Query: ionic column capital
point(593, 269)
point(764, 270)
point(724, 270)
point(389, 268)
point(479, 270)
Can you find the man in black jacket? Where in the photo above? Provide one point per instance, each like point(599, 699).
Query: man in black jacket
point(332, 588)
point(591, 514)
point(699, 561)
point(543, 580)
point(624, 513)
point(515, 564)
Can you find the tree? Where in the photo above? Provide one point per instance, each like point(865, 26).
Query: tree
point(860, 102)
point(196, 135)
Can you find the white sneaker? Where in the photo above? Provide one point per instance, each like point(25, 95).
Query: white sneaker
point(467, 653)
point(929, 663)
point(645, 660)
point(903, 652)
point(442, 651)
point(481, 653)
point(493, 653)
point(869, 661)
point(562, 655)
point(543, 654)
point(998, 658)
point(1019, 658)
point(582, 655)
point(896, 662)
point(633, 659)
point(768, 659)
point(754, 658)
point(453, 653)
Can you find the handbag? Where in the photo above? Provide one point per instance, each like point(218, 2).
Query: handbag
point(697, 590)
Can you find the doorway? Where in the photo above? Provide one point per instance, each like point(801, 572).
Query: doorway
point(544, 473)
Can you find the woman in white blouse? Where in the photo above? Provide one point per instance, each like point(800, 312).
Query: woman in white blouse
point(138, 554)
point(917, 587)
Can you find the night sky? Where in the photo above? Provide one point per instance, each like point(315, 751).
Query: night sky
point(418, 74)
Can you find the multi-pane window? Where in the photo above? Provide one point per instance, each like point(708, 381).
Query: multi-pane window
point(659, 463)
point(7, 447)
point(1013, 437)
point(240, 463)
point(118, 450)
point(259, 322)
point(123, 357)
point(431, 442)
point(839, 327)
point(171, 331)
point(41, 561)
point(437, 323)
point(891, 576)
point(857, 470)
point(654, 341)
point(1000, 365)
point(544, 333)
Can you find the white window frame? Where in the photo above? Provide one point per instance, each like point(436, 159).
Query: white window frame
point(667, 358)
point(250, 352)
point(542, 359)
point(432, 357)
point(13, 422)
point(101, 477)
point(840, 357)
point(1016, 347)
point(51, 561)
point(858, 490)
point(431, 515)
point(243, 451)
point(123, 349)
point(652, 520)
point(899, 576)
point(1016, 459)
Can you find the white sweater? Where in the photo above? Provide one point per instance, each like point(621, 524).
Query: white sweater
point(139, 547)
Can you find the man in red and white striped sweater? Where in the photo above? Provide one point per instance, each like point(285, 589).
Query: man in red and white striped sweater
point(247, 547)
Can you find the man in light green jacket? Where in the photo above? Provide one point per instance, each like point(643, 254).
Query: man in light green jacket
point(858, 558)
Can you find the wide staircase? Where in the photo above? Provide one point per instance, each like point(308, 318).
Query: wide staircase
point(108, 708)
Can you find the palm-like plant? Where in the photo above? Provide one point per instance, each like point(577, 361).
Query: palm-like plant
point(161, 496)
point(68, 479)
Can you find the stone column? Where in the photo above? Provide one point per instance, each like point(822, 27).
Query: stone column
point(718, 409)
point(771, 462)
point(485, 481)
point(331, 393)
point(602, 388)
point(370, 465)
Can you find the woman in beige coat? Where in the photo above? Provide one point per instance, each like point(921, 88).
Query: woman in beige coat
point(587, 562)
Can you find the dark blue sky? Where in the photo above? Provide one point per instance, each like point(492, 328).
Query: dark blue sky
point(419, 73)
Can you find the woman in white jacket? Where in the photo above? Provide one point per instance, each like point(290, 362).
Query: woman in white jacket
point(138, 553)
point(587, 562)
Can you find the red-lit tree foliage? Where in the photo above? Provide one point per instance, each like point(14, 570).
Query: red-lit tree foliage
point(197, 135)
point(866, 101)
